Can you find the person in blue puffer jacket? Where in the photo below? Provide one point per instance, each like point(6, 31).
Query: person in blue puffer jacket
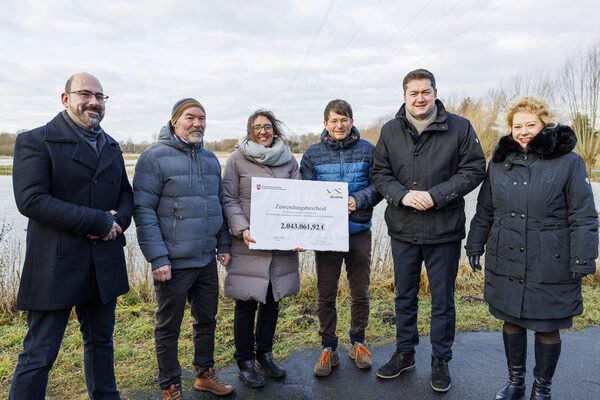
point(342, 156)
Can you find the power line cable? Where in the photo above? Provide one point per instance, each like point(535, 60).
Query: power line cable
point(462, 32)
point(418, 35)
point(444, 44)
point(389, 82)
point(347, 44)
point(363, 24)
point(437, 20)
point(311, 45)
point(408, 23)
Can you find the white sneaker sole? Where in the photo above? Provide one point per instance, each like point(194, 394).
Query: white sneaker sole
point(440, 390)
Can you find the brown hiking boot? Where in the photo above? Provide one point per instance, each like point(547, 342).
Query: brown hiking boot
point(209, 382)
point(174, 392)
point(361, 356)
point(328, 360)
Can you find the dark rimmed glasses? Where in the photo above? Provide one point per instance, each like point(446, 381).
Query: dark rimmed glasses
point(87, 95)
point(267, 127)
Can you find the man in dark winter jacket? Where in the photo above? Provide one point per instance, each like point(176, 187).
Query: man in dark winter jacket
point(342, 156)
point(69, 179)
point(177, 192)
point(426, 160)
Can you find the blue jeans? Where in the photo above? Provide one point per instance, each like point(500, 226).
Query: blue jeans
point(441, 262)
point(42, 343)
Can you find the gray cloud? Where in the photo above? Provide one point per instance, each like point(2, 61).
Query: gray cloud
point(236, 56)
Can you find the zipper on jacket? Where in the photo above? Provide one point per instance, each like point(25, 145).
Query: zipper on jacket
point(342, 163)
point(175, 216)
point(192, 156)
point(203, 193)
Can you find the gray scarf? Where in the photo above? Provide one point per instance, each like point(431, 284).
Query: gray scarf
point(278, 154)
point(422, 124)
point(93, 137)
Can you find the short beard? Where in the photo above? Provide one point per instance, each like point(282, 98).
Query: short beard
point(195, 137)
point(90, 123)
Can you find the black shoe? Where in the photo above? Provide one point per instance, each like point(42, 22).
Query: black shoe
point(440, 375)
point(250, 375)
point(515, 347)
point(400, 362)
point(546, 358)
point(270, 366)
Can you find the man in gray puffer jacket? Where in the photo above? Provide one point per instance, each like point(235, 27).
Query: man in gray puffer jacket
point(177, 196)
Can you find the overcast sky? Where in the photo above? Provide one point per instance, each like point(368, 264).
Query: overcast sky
point(291, 57)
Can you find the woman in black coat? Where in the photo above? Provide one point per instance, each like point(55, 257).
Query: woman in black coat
point(537, 220)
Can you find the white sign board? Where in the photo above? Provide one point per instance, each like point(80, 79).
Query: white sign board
point(288, 213)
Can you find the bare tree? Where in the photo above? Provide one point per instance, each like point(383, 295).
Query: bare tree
point(579, 85)
point(483, 114)
point(531, 83)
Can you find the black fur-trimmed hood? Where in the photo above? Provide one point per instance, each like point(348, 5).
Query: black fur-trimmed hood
point(551, 142)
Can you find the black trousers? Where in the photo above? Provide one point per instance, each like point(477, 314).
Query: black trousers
point(243, 326)
point(200, 287)
point(441, 262)
point(42, 343)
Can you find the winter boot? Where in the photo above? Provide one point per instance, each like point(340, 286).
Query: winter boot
point(546, 358)
point(515, 347)
point(249, 374)
point(271, 367)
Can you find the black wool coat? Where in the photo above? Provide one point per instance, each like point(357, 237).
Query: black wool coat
point(65, 189)
point(446, 160)
point(537, 219)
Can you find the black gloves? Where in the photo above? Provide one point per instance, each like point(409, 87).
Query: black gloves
point(474, 262)
point(577, 276)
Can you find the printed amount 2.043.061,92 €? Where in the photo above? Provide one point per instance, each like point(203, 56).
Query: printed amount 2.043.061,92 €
point(302, 226)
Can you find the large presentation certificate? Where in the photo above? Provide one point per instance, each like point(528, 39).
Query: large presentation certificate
point(288, 213)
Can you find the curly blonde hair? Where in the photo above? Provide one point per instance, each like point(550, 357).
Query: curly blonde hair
point(533, 105)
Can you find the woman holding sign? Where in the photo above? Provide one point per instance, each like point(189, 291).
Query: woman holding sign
point(257, 279)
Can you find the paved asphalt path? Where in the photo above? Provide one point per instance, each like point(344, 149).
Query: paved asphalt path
point(478, 370)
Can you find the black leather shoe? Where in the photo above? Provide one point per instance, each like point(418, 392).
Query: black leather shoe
point(440, 375)
point(250, 375)
point(270, 366)
point(400, 362)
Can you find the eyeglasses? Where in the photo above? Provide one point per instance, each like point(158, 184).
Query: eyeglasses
point(335, 122)
point(267, 127)
point(87, 95)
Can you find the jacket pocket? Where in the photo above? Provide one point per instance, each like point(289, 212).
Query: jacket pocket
point(450, 220)
point(552, 264)
point(176, 216)
point(173, 231)
point(399, 220)
point(65, 244)
point(491, 249)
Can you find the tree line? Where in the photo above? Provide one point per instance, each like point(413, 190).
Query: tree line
point(572, 90)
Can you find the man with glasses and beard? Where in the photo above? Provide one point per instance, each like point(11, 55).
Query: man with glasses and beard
point(69, 179)
point(178, 191)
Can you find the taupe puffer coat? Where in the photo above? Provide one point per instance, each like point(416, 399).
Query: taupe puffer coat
point(250, 271)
